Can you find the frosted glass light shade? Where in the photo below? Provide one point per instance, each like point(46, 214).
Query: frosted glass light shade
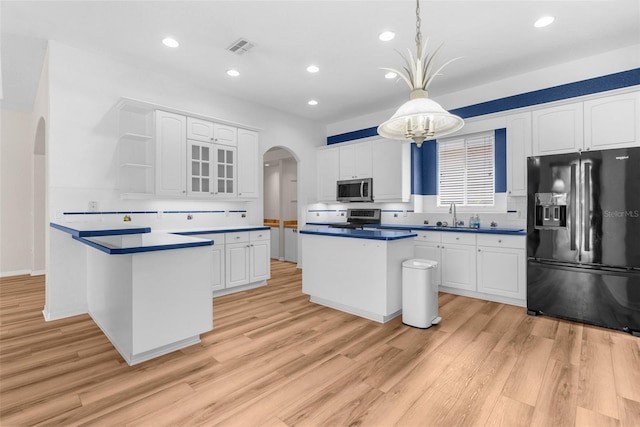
point(419, 119)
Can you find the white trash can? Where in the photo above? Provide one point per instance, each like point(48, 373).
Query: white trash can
point(419, 293)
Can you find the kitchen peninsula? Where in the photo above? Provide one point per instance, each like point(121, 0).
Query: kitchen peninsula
point(148, 292)
point(356, 271)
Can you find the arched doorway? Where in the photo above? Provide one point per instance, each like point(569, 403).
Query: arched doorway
point(38, 214)
point(281, 202)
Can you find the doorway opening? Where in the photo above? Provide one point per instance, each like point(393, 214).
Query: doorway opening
point(281, 202)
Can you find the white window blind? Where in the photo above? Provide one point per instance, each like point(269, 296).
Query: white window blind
point(466, 171)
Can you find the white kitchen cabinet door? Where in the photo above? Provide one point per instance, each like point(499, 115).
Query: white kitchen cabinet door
point(260, 260)
point(217, 264)
point(199, 130)
point(612, 122)
point(171, 154)
point(391, 163)
point(458, 266)
point(558, 129)
point(291, 244)
point(248, 162)
point(328, 173)
point(518, 149)
point(237, 263)
point(200, 168)
point(356, 161)
point(224, 134)
point(501, 271)
point(224, 172)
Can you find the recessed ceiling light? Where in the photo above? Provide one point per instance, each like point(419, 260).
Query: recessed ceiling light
point(390, 75)
point(267, 164)
point(169, 42)
point(313, 68)
point(544, 21)
point(385, 36)
point(312, 102)
point(233, 73)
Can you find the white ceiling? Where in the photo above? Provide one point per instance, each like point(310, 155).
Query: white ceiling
point(495, 38)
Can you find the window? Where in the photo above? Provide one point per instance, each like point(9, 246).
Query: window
point(466, 170)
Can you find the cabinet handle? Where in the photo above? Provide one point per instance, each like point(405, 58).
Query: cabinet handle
point(457, 238)
point(499, 241)
point(478, 250)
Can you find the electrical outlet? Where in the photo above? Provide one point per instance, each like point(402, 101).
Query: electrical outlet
point(93, 206)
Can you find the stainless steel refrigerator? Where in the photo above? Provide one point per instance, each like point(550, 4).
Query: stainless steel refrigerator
point(583, 237)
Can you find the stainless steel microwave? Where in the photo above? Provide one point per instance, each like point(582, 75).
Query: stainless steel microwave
point(355, 190)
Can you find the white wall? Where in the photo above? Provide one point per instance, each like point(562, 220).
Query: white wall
point(83, 130)
point(16, 153)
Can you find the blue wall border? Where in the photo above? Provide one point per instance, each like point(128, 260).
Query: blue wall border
point(556, 93)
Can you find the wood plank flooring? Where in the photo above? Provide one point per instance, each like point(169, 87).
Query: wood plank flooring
point(275, 359)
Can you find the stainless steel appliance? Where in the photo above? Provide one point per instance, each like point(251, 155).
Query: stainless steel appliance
point(359, 218)
point(583, 237)
point(355, 190)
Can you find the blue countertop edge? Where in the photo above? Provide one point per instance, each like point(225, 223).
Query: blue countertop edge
point(100, 232)
point(216, 231)
point(414, 227)
point(360, 234)
point(140, 249)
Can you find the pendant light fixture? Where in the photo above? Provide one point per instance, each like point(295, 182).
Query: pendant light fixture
point(420, 117)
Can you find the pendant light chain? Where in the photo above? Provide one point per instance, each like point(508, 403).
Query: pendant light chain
point(418, 24)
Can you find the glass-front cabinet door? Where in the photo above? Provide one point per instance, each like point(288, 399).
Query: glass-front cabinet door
point(225, 171)
point(200, 169)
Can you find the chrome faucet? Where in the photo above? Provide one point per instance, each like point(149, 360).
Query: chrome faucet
point(452, 209)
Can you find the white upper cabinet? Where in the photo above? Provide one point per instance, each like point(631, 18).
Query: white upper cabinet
point(171, 154)
point(612, 122)
point(248, 164)
point(356, 161)
point(596, 124)
point(328, 173)
point(518, 149)
point(391, 170)
point(199, 130)
point(558, 129)
point(224, 134)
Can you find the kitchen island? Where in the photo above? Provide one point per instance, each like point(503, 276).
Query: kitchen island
point(148, 292)
point(356, 271)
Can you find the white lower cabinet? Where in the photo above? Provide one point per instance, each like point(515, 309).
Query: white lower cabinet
point(501, 266)
point(459, 260)
point(486, 266)
point(238, 258)
point(247, 257)
point(427, 247)
point(259, 255)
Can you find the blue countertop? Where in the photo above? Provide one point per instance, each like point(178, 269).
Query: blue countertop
point(416, 227)
point(125, 244)
point(359, 234)
point(92, 229)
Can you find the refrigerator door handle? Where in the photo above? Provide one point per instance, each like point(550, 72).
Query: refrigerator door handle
point(586, 203)
point(573, 210)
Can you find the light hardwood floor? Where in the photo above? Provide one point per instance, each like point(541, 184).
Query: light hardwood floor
point(275, 359)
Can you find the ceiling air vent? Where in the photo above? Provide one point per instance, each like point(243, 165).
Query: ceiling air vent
point(240, 46)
